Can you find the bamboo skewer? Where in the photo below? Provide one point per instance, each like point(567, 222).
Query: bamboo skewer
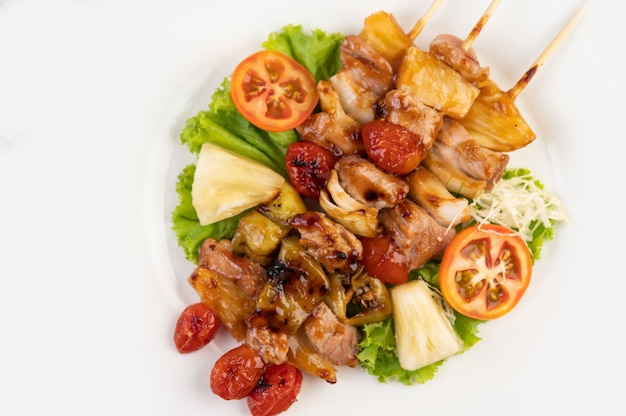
point(419, 25)
point(543, 57)
point(480, 24)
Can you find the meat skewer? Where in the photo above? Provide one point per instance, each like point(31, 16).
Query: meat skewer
point(546, 53)
point(494, 120)
point(419, 25)
point(478, 27)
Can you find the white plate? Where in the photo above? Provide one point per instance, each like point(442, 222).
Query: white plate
point(92, 99)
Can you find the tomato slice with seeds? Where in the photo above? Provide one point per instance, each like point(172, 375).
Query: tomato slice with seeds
point(273, 91)
point(485, 271)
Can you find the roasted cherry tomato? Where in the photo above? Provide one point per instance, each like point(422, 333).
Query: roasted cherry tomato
point(484, 271)
point(382, 259)
point(236, 373)
point(273, 91)
point(309, 166)
point(391, 147)
point(196, 327)
point(276, 392)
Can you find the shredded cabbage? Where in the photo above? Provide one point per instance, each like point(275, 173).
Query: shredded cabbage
point(520, 202)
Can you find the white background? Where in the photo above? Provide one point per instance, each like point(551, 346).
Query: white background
point(92, 97)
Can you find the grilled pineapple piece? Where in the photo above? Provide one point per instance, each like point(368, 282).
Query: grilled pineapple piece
point(226, 184)
point(424, 335)
point(435, 83)
point(495, 122)
point(383, 33)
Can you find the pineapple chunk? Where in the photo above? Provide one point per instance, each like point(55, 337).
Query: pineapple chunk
point(226, 184)
point(495, 122)
point(424, 335)
point(383, 33)
point(435, 83)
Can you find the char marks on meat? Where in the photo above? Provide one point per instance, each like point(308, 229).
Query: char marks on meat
point(368, 184)
point(219, 257)
point(332, 128)
point(418, 236)
point(457, 147)
point(449, 49)
point(332, 338)
point(364, 78)
point(328, 242)
point(401, 108)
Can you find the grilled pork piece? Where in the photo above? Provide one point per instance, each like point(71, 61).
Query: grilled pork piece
point(457, 147)
point(332, 128)
point(363, 181)
point(449, 49)
point(332, 338)
point(418, 236)
point(364, 78)
point(328, 242)
point(406, 110)
point(218, 257)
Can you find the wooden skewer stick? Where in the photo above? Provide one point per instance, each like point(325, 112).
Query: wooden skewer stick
point(480, 24)
point(415, 31)
point(543, 57)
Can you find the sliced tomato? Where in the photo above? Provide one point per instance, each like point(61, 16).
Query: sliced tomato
point(382, 259)
point(273, 91)
point(485, 271)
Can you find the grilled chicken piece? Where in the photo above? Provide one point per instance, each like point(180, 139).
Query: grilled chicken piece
point(328, 242)
point(270, 344)
point(332, 128)
point(453, 178)
point(369, 185)
point(332, 338)
point(449, 49)
point(219, 257)
point(406, 110)
point(429, 193)
point(418, 236)
point(364, 78)
point(457, 147)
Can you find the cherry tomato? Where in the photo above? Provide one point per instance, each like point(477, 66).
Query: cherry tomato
point(309, 166)
point(276, 392)
point(196, 327)
point(236, 373)
point(485, 271)
point(382, 259)
point(391, 147)
point(273, 91)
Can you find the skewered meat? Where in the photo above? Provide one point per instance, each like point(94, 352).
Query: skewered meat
point(429, 193)
point(332, 128)
point(368, 184)
point(418, 236)
point(401, 108)
point(331, 337)
point(457, 147)
point(270, 344)
point(449, 49)
point(328, 242)
point(452, 177)
point(218, 256)
point(364, 78)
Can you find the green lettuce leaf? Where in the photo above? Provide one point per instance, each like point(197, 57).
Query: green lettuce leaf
point(317, 51)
